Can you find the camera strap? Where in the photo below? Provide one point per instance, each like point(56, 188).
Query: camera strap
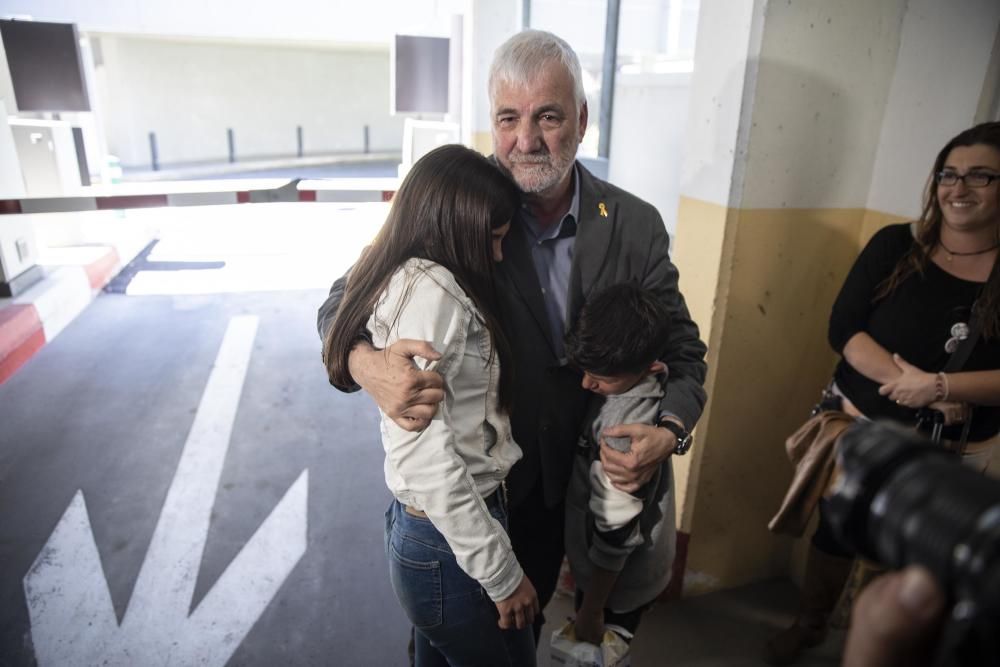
point(961, 354)
point(954, 364)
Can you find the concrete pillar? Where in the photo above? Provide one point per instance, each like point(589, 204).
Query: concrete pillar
point(812, 123)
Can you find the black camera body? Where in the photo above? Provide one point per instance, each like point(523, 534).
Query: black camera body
point(902, 500)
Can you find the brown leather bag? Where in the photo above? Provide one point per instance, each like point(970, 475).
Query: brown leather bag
point(812, 451)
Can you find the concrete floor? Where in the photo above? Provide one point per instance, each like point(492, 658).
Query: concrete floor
point(105, 410)
point(95, 438)
point(725, 629)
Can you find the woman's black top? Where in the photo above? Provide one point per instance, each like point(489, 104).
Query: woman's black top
point(914, 321)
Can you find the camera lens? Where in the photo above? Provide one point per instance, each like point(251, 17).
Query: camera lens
point(901, 500)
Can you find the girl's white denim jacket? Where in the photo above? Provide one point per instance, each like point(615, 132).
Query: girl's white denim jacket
point(465, 453)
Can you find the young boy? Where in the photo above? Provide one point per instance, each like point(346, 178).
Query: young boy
point(620, 546)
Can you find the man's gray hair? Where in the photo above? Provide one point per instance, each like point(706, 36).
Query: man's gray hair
point(522, 58)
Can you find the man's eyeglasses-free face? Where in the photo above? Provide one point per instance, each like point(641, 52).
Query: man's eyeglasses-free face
point(974, 179)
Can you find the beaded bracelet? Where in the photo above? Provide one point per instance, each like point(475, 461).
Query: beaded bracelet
point(941, 388)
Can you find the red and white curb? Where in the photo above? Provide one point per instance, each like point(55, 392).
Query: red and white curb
point(33, 318)
point(21, 335)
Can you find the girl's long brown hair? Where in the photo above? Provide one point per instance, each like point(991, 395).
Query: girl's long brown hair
point(928, 234)
point(445, 211)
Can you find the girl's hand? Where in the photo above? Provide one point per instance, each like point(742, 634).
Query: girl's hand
point(518, 610)
point(914, 388)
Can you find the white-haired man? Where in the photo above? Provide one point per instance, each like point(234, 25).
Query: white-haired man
point(575, 234)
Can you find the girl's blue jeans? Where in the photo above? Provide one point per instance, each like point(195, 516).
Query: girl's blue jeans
point(455, 621)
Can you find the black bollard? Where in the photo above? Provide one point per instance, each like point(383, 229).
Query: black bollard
point(153, 154)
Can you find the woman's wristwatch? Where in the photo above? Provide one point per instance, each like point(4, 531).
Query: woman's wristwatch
point(684, 438)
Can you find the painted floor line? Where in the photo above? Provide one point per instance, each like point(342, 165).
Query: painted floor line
point(72, 618)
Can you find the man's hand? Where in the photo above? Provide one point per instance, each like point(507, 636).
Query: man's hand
point(896, 621)
point(406, 394)
point(651, 445)
point(520, 608)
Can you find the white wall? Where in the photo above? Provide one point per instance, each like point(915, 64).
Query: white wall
point(724, 68)
point(346, 21)
point(944, 53)
point(819, 102)
point(190, 91)
point(989, 102)
point(832, 125)
point(647, 138)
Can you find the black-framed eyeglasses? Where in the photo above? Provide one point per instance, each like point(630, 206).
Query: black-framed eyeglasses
point(974, 179)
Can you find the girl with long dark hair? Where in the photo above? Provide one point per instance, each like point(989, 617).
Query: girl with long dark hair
point(429, 275)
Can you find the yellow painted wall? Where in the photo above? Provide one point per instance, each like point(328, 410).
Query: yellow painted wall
point(699, 254)
point(760, 284)
point(874, 221)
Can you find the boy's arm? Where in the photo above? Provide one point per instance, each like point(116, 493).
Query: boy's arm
point(615, 516)
point(614, 512)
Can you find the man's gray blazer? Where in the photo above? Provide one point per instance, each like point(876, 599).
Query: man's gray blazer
point(619, 238)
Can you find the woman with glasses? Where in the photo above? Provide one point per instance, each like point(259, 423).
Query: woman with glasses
point(915, 293)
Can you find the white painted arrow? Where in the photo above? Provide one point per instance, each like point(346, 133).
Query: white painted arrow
point(73, 621)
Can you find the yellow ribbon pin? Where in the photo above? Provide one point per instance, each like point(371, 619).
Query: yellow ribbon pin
point(603, 209)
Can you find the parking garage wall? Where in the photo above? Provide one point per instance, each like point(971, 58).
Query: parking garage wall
point(811, 124)
point(189, 92)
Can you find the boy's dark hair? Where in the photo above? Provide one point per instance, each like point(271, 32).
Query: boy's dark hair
point(621, 329)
